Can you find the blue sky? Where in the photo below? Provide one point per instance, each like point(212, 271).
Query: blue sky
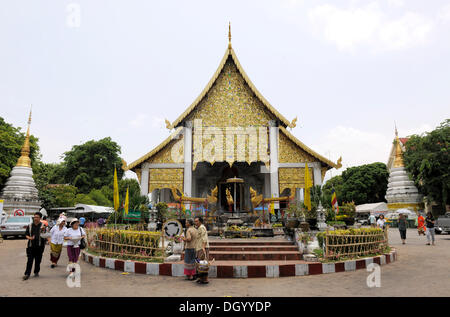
point(347, 69)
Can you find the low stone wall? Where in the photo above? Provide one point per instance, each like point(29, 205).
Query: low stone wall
point(240, 271)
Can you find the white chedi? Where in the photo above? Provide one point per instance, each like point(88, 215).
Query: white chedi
point(401, 188)
point(20, 191)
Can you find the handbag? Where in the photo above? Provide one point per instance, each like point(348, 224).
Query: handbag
point(82, 241)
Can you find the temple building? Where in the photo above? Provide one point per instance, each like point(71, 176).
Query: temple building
point(20, 193)
point(230, 146)
point(401, 191)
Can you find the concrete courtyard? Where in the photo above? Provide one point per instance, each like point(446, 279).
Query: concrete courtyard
point(420, 271)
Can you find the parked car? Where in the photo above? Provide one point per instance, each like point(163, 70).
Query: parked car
point(15, 226)
point(443, 224)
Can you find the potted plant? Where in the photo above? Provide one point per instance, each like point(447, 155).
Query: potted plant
point(294, 215)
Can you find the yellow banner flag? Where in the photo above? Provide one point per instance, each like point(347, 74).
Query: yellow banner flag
point(116, 191)
point(308, 186)
point(126, 203)
point(272, 207)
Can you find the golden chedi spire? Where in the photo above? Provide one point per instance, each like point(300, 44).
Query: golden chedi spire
point(398, 161)
point(229, 35)
point(24, 159)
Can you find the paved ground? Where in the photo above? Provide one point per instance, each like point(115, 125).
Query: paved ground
point(421, 270)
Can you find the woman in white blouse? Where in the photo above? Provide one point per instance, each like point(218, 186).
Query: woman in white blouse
point(56, 241)
point(73, 237)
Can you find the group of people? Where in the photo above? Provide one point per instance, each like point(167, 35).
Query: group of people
point(425, 226)
point(196, 250)
point(59, 234)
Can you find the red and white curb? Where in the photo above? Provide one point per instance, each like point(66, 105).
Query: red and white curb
point(240, 271)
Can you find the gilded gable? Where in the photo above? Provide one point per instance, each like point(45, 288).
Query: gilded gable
point(289, 152)
point(171, 153)
point(231, 102)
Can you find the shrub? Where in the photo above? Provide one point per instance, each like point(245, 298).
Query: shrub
point(125, 244)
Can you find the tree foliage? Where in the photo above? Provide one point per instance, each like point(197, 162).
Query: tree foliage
point(11, 141)
point(427, 159)
point(365, 184)
point(360, 184)
point(91, 165)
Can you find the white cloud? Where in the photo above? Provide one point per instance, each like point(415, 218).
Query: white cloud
point(369, 26)
point(444, 14)
point(158, 123)
point(396, 3)
point(139, 120)
point(356, 147)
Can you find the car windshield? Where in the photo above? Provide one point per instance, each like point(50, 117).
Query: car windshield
point(19, 220)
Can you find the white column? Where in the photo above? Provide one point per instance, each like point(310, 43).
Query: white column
point(317, 175)
point(187, 187)
point(144, 179)
point(273, 147)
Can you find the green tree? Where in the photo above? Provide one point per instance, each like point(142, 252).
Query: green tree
point(11, 141)
point(63, 196)
point(91, 165)
point(427, 159)
point(364, 184)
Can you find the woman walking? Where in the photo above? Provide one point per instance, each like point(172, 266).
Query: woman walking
point(56, 241)
point(73, 237)
point(430, 228)
point(402, 226)
point(189, 252)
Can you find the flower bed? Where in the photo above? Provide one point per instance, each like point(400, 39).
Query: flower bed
point(353, 243)
point(126, 244)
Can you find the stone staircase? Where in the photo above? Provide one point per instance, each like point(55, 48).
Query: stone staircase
point(253, 250)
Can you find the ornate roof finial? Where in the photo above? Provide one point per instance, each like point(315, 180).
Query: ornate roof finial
point(398, 161)
point(24, 160)
point(229, 35)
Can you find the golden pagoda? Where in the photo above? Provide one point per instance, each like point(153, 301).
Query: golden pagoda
point(229, 131)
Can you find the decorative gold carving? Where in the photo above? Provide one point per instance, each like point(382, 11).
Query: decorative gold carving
point(292, 178)
point(398, 162)
point(230, 200)
point(230, 56)
point(229, 35)
point(160, 178)
point(289, 152)
point(339, 163)
point(165, 155)
point(293, 123)
point(230, 102)
point(168, 124)
point(24, 159)
point(255, 198)
point(212, 199)
point(124, 164)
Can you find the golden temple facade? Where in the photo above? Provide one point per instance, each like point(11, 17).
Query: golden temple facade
point(230, 130)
